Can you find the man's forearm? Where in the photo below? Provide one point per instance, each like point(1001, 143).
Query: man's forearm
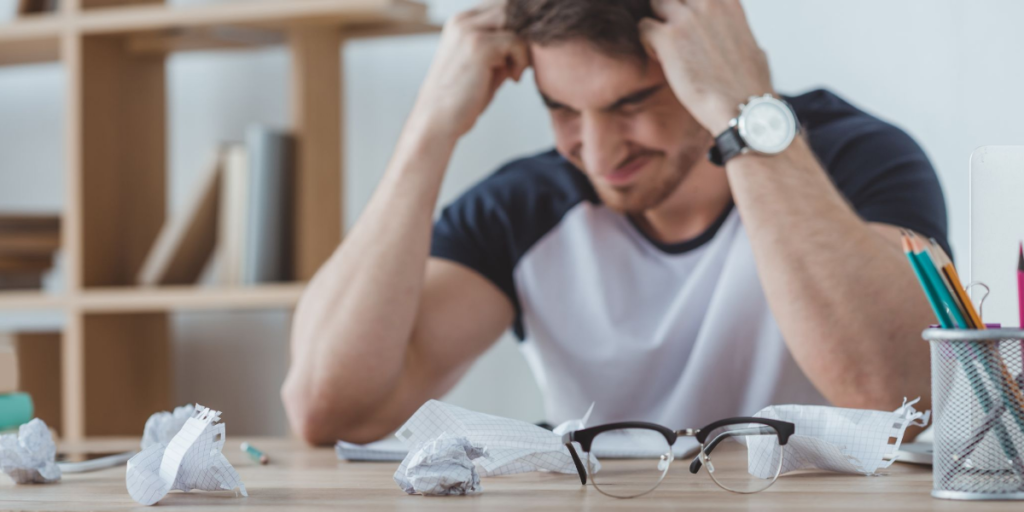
point(353, 325)
point(842, 293)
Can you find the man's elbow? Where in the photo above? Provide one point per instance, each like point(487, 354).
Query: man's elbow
point(321, 422)
point(307, 421)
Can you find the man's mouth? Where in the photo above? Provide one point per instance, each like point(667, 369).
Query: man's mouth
point(628, 171)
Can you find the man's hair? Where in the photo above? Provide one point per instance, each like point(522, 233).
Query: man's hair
point(609, 25)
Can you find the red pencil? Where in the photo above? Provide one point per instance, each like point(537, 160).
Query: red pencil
point(1020, 287)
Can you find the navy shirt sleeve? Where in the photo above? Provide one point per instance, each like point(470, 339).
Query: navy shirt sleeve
point(493, 224)
point(882, 172)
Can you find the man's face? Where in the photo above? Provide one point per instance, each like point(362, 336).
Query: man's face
point(619, 122)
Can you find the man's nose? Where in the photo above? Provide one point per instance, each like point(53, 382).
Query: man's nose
point(603, 147)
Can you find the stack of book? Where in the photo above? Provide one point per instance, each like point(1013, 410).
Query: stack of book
point(239, 219)
point(27, 247)
point(15, 407)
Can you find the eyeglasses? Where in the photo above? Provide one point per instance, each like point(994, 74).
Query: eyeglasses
point(748, 454)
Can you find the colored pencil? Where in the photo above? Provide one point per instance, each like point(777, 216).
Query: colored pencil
point(1020, 288)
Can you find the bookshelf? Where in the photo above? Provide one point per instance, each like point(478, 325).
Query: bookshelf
point(115, 344)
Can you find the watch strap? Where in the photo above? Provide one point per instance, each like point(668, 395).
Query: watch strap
point(727, 145)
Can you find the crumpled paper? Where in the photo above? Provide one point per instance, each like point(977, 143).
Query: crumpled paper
point(192, 459)
point(161, 427)
point(508, 446)
point(444, 467)
point(29, 456)
point(833, 439)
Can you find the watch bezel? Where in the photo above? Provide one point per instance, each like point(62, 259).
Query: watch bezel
point(739, 122)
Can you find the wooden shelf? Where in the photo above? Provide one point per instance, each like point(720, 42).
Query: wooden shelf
point(157, 28)
point(21, 300)
point(114, 55)
point(31, 40)
point(188, 298)
point(278, 14)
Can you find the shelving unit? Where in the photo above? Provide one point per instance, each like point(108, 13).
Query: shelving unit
point(115, 361)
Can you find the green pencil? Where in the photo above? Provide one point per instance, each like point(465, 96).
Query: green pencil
point(256, 455)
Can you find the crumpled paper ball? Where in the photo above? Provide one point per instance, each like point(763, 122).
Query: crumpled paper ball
point(29, 456)
point(161, 427)
point(444, 467)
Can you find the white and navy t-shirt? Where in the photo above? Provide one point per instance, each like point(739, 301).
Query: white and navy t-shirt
point(678, 334)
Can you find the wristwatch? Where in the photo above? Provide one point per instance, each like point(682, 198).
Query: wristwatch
point(766, 125)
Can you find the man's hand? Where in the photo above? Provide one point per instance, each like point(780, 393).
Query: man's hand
point(709, 57)
point(475, 57)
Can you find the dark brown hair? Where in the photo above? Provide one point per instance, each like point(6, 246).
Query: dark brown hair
point(609, 25)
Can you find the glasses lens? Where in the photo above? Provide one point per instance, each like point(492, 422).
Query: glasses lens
point(650, 457)
point(743, 458)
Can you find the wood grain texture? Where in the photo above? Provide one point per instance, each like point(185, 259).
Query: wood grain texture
point(301, 478)
point(123, 131)
point(39, 363)
point(317, 119)
point(127, 371)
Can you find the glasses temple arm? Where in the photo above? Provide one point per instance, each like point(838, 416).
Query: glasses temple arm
point(696, 464)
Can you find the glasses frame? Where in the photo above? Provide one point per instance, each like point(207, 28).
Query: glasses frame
point(585, 437)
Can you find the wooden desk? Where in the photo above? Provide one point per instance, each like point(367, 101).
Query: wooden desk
point(302, 478)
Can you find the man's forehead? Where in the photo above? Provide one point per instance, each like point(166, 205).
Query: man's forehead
point(576, 74)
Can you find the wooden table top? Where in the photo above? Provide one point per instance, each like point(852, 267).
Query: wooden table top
point(303, 478)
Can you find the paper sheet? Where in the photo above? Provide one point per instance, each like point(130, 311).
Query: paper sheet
point(512, 446)
point(833, 439)
point(28, 457)
point(618, 447)
point(161, 427)
point(444, 467)
point(192, 460)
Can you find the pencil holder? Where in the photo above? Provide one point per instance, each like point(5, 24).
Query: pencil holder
point(978, 413)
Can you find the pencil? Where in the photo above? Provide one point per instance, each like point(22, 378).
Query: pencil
point(931, 271)
point(1020, 289)
point(932, 284)
point(255, 454)
point(954, 280)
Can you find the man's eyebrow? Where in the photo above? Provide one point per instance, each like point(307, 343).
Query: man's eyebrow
point(552, 104)
point(636, 97)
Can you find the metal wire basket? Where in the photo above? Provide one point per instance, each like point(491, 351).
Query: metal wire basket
point(977, 382)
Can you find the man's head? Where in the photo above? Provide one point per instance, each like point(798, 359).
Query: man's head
point(614, 115)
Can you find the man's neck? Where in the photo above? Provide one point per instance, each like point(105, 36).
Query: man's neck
point(692, 208)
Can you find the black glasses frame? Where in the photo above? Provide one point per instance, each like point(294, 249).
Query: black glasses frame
point(585, 437)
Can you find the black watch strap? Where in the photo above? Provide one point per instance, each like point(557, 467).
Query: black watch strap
point(727, 145)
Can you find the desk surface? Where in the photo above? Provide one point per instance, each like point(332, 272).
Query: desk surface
point(302, 478)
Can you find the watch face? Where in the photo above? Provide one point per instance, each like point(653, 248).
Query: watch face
point(767, 125)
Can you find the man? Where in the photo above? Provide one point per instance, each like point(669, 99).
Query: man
point(639, 274)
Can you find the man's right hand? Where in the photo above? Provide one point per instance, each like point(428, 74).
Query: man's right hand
point(475, 57)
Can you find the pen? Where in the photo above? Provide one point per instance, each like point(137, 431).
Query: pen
point(256, 455)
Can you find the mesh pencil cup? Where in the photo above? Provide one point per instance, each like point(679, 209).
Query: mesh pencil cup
point(977, 382)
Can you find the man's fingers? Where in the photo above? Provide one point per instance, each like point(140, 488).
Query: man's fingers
point(519, 59)
point(648, 27)
point(489, 17)
point(669, 9)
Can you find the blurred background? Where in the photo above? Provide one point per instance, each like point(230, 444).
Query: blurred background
point(946, 71)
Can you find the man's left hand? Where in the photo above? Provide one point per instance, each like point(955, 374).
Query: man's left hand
point(709, 56)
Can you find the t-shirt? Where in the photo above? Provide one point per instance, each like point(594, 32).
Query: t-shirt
point(678, 334)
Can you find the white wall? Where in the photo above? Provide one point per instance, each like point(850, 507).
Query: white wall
point(945, 70)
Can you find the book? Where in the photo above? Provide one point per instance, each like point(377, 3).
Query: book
point(29, 242)
point(21, 281)
point(8, 367)
point(186, 242)
point(234, 206)
point(10, 221)
point(36, 6)
point(268, 241)
point(25, 263)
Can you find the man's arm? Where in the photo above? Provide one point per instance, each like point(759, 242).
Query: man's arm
point(842, 292)
point(383, 328)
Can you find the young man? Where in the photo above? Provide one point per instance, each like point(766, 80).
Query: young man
point(639, 274)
